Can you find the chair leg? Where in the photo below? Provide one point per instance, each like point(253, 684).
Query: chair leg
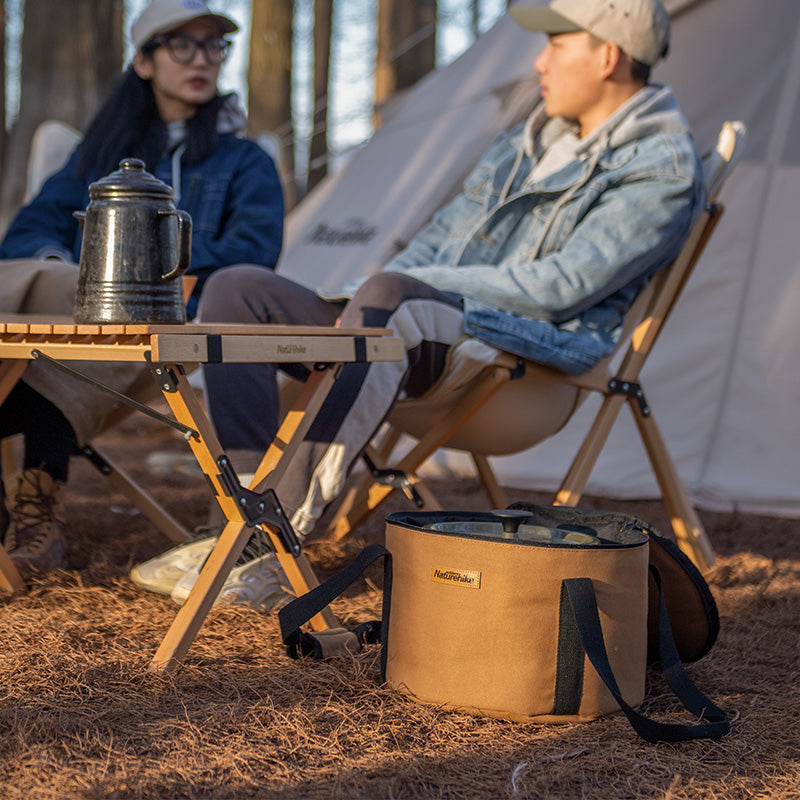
point(375, 493)
point(497, 495)
point(10, 463)
point(10, 579)
point(571, 489)
point(10, 455)
point(354, 506)
point(156, 513)
point(353, 509)
point(361, 500)
point(686, 525)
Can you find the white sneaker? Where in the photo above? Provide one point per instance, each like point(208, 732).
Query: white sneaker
point(259, 583)
point(162, 573)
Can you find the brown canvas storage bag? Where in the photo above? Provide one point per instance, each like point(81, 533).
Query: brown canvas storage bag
point(531, 614)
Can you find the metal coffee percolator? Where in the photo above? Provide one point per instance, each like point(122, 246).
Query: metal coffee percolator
point(136, 246)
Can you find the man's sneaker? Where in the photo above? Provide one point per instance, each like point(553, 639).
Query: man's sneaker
point(35, 538)
point(160, 574)
point(257, 579)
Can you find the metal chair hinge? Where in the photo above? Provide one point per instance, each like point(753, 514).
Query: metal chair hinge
point(519, 370)
point(395, 478)
point(632, 390)
point(95, 459)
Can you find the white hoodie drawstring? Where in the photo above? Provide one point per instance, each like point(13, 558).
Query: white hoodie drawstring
point(231, 119)
point(176, 172)
point(565, 198)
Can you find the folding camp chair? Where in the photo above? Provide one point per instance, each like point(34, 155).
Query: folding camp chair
point(540, 401)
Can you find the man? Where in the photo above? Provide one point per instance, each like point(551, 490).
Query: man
point(555, 232)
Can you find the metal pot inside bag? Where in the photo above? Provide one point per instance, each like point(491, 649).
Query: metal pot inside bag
point(515, 524)
point(136, 246)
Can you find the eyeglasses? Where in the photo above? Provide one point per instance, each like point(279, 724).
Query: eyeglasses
point(183, 48)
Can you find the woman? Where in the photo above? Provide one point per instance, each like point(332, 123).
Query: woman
point(166, 110)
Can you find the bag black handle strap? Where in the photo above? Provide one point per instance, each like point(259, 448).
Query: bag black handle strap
point(321, 645)
point(673, 670)
point(584, 606)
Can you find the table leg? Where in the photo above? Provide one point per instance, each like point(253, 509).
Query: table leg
point(207, 450)
point(195, 609)
point(10, 372)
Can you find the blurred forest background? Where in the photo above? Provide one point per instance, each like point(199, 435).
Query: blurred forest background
point(315, 76)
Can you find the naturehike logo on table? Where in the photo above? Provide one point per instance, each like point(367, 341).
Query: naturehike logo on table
point(469, 579)
point(289, 349)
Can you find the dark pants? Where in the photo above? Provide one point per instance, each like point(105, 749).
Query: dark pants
point(49, 438)
point(243, 398)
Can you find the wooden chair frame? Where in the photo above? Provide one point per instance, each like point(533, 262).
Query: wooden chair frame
point(620, 387)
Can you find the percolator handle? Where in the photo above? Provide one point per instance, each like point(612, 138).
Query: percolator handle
point(184, 242)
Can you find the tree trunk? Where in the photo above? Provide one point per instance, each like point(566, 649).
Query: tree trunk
point(71, 54)
point(3, 135)
point(406, 45)
point(318, 154)
point(269, 78)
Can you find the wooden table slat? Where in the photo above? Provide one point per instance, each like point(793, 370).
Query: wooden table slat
point(192, 343)
point(22, 323)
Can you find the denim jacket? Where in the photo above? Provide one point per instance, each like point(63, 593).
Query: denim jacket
point(548, 268)
point(234, 198)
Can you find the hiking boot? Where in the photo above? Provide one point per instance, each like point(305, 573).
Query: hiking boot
point(256, 580)
point(35, 538)
point(160, 574)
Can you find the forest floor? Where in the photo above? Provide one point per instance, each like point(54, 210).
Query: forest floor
point(82, 717)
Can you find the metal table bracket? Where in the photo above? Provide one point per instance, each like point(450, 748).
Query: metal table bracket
point(259, 507)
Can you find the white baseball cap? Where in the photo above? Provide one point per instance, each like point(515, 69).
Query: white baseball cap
point(162, 16)
point(640, 27)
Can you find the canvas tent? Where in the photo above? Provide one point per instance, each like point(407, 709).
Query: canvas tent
point(724, 380)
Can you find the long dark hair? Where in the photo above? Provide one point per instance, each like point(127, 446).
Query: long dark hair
point(128, 125)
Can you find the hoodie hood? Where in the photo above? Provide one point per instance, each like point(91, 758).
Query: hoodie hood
point(652, 110)
point(231, 118)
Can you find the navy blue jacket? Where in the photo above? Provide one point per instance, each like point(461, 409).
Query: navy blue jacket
point(234, 198)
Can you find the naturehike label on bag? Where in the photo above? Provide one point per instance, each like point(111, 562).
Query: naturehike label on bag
point(469, 579)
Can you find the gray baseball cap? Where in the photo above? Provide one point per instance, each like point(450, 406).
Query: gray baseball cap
point(640, 27)
point(162, 16)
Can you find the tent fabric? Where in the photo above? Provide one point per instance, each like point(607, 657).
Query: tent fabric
point(723, 380)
